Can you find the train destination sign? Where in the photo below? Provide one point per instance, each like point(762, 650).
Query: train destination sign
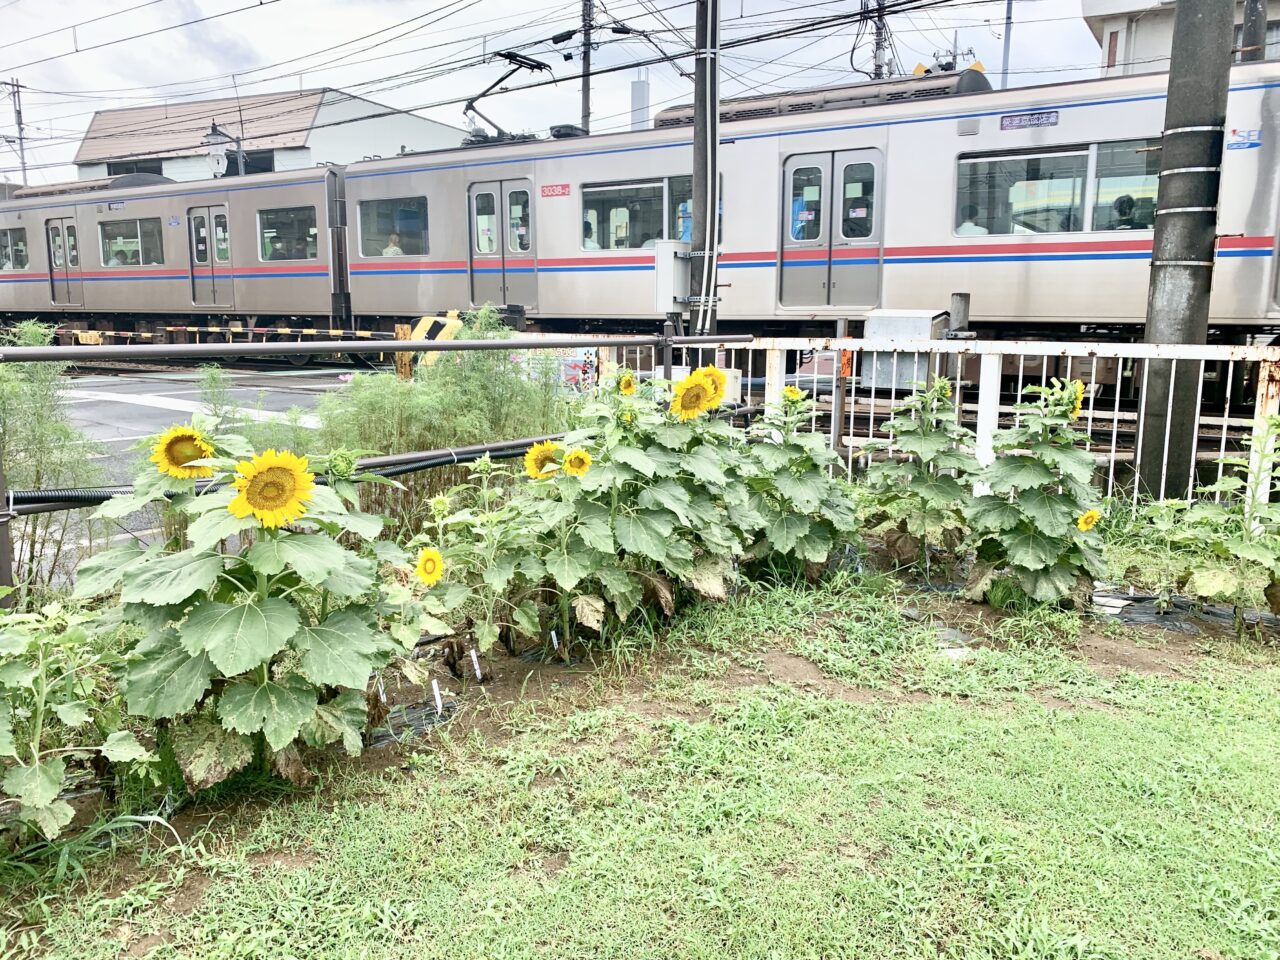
point(1028, 121)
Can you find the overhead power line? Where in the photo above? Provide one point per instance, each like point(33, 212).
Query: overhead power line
point(76, 26)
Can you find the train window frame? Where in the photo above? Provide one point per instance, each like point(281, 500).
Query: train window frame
point(107, 256)
point(513, 226)
point(425, 235)
point(8, 246)
point(1095, 151)
point(222, 251)
point(263, 240)
point(1087, 151)
point(628, 184)
point(823, 200)
point(494, 231)
point(844, 199)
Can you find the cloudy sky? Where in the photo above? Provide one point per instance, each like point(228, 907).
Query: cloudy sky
point(425, 54)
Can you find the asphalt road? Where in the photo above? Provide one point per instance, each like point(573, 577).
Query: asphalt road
point(117, 412)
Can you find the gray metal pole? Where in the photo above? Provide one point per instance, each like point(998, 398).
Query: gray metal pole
point(881, 69)
point(588, 12)
point(668, 335)
point(6, 542)
point(1185, 235)
point(1008, 38)
point(706, 110)
point(17, 119)
point(1253, 36)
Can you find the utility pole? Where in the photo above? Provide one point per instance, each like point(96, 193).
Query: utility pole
point(881, 70)
point(588, 12)
point(706, 167)
point(1253, 36)
point(1008, 37)
point(15, 90)
point(1182, 254)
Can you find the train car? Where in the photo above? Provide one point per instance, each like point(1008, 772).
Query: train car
point(1038, 202)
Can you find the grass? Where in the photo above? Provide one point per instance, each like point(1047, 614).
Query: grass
point(945, 811)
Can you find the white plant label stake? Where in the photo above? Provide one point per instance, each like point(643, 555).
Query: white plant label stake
point(555, 644)
point(382, 691)
point(475, 662)
point(435, 691)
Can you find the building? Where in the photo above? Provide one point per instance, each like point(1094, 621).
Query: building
point(1136, 36)
point(277, 131)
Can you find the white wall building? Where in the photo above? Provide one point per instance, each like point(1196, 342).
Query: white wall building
point(1136, 36)
point(278, 131)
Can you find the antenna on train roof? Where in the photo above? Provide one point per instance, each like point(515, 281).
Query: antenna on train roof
point(518, 62)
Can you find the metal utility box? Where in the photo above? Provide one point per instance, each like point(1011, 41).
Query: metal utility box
point(670, 275)
point(879, 368)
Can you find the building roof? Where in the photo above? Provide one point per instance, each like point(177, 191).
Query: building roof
point(265, 121)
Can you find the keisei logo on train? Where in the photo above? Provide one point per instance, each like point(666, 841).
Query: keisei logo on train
point(1244, 139)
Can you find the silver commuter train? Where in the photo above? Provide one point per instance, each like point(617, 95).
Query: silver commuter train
point(1038, 201)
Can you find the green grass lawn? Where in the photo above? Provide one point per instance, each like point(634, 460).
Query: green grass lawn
point(729, 799)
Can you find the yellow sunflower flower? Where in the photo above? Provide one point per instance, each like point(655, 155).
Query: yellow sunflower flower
point(693, 396)
point(627, 383)
point(274, 487)
point(1079, 385)
point(1088, 520)
point(430, 566)
point(577, 463)
point(539, 457)
point(792, 394)
point(946, 388)
point(177, 447)
point(716, 377)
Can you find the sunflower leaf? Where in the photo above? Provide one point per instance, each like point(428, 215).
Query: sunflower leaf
point(340, 652)
point(342, 718)
point(101, 572)
point(171, 578)
point(277, 708)
point(313, 557)
point(207, 753)
point(239, 636)
point(211, 528)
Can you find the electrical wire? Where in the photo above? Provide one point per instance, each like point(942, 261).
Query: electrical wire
point(76, 26)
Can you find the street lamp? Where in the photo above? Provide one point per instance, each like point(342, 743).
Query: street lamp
point(216, 141)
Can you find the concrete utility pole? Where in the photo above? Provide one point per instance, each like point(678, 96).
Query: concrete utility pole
point(1253, 36)
point(1185, 236)
point(881, 69)
point(15, 90)
point(588, 11)
point(1008, 39)
point(706, 167)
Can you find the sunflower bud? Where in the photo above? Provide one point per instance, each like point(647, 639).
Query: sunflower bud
point(342, 464)
point(440, 507)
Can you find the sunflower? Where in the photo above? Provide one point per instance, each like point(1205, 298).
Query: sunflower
point(627, 383)
point(430, 566)
point(716, 377)
point(274, 487)
point(177, 447)
point(539, 457)
point(577, 462)
point(946, 387)
point(792, 394)
point(1088, 520)
point(693, 396)
point(1079, 387)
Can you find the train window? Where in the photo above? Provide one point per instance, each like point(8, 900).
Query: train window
point(393, 228)
point(486, 226)
point(622, 217)
point(680, 208)
point(518, 238)
point(200, 231)
point(806, 203)
point(55, 246)
point(1128, 176)
point(1040, 193)
point(857, 216)
point(73, 251)
point(221, 238)
point(13, 249)
point(126, 243)
point(287, 234)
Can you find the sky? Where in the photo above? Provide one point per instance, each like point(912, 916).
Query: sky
point(422, 54)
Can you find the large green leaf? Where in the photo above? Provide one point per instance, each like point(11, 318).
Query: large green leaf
point(17, 674)
point(936, 489)
point(354, 578)
point(674, 435)
point(499, 573)
point(993, 513)
point(1213, 583)
point(122, 747)
point(548, 514)
point(637, 533)
point(37, 784)
point(342, 718)
point(1030, 548)
point(239, 636)
point(164, 680)
point(340, 652)
point(1260, 551)
point(567, 569)
point(606, 476)
point(666, 463)
point(669, 495)
point(623, 590)
point(102, 572)
point(1049, 510)
point(208, 753)
point(312, 556)
point(1071, 461)
point(634, 458)
point(773, 457)
point(805, 491)
point(49, 820)
point(1050, 583)
point(210, 529)
point(8, 746)
point(1016, 472)
point(705, 464)
point(926, 446)
point(785, 529)
point(595, 531)
point(815, 546)
point(277, 708)
point(171, 578)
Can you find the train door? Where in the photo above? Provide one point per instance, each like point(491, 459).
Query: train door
point(831, 231)
point(503, 257)
point(210, 256)
point(64, 262)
